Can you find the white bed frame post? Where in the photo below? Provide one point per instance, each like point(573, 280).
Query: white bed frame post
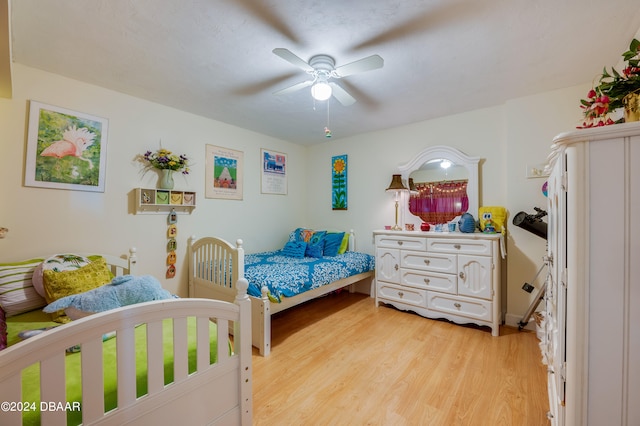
point(242, 329)
point(191, 287)
point(261, 322)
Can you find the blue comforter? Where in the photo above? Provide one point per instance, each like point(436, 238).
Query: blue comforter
point(286, 276)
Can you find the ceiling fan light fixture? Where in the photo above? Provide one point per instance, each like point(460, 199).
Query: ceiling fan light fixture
point(321, 91)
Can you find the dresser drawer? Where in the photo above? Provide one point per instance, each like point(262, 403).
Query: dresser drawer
point(406, 295)
point(459, 306)
point(401, 242)
point(438, 262)
point(466, 246)
point(446, 283)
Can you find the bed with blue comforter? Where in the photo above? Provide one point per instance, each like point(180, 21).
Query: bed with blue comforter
point(311, 264)
point(286, 276)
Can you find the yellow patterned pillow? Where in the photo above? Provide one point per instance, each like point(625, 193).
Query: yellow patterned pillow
point(66, 283)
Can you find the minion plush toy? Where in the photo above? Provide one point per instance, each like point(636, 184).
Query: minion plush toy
point(492, 219)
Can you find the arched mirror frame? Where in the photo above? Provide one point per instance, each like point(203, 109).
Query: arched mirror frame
point(456, 157)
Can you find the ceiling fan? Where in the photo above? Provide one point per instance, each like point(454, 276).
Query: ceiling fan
point(322, 69)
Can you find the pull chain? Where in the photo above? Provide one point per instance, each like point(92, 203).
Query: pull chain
point(327, 131)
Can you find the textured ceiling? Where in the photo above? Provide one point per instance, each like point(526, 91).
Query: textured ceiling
point(214, 57)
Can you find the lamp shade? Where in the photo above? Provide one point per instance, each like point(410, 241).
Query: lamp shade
point(396, 184)
point(412, 187)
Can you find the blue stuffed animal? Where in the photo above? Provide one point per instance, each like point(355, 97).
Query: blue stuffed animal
point(121, 291)
point(467, 223)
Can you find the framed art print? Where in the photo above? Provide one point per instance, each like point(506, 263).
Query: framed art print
point(65, 149)
point(339, 182)
point(273, 176)
point(224, 168)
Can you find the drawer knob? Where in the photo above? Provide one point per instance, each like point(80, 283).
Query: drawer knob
point(396, 267)
point(457, 246)
point(427, 280)
point(461, 274)
point(427, 261)
point(400, 294)
point(457, 305)
point(399, 243)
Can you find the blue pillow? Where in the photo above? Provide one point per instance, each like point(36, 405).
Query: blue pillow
point(332, 243)
point(317, 237)
point(294, 249)
point(295, 235)
point(314, 250)
point(315, 245)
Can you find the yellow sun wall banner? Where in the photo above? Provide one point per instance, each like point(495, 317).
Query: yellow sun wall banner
point(339, 182)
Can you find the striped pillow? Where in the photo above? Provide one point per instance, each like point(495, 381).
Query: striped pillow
point(17, 294)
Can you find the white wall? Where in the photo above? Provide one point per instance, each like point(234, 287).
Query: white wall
point(373, 158)
point(43, 221)
point(532, 122)
point(507, 137)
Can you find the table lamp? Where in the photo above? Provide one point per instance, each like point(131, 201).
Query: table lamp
point(396, 186)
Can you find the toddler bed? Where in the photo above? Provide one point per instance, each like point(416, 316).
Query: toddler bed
point(157, 362)
point(280, 279)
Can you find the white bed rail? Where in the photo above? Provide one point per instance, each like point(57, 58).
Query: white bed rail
point(204, 396)
point(216, 261)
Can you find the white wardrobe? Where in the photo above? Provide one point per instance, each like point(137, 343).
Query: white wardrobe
point(592, 336)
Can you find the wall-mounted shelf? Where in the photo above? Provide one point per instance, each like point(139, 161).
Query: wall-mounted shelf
point(164, 200)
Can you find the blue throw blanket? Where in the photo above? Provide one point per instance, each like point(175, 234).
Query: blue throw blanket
point(286, 276)
point(122, 291)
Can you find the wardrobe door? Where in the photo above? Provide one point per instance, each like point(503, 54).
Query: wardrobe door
point(632, 299)
point(555, 332)
point(609, 280)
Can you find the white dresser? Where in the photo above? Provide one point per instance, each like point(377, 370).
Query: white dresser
point(592, 337)
point(449, 275)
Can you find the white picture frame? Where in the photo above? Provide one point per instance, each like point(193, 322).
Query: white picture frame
point(224, 169)
point(66, 149)
point(273, 173)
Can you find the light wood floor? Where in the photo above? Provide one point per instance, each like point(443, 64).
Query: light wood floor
point(340, 360)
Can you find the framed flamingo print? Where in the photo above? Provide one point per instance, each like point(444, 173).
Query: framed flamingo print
point(65, 149)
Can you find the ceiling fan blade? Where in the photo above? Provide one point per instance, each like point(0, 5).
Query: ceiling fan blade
point(341, 95)
point(266, 14)
point(442, 14)
point(261, 86)
point(292, 58)
point(365, 64)
point(294, 88)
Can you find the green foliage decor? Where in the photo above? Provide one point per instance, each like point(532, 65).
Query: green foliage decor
point(612, 89)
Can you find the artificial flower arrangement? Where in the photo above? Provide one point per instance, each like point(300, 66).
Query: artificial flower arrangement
point(613, 90)
point(164, 159)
